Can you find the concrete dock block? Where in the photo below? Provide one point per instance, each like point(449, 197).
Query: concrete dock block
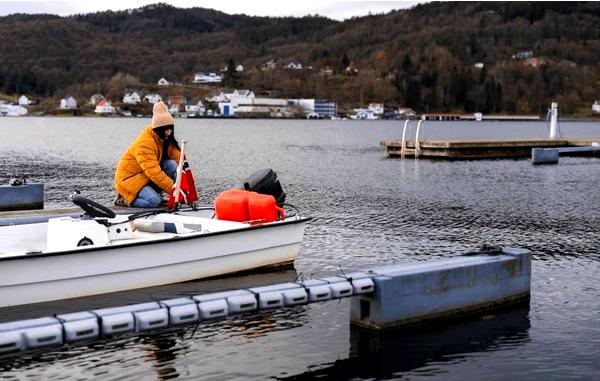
point(21, 197)
point(418, 293)
point(544, 155)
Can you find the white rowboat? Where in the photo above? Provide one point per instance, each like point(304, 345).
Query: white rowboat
point(69, 256)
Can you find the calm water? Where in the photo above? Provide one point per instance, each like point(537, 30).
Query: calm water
point(369, 210)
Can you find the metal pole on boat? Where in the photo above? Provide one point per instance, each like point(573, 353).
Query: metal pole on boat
point(178, 175)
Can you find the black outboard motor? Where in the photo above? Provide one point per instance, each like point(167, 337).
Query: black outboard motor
point(265, 182)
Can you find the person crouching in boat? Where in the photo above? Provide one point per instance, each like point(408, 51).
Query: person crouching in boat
point(148, 167)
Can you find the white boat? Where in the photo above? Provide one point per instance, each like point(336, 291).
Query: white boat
point(44, 259)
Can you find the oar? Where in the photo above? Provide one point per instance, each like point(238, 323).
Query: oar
point(178, 176)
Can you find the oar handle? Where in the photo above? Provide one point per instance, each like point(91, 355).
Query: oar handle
point(178, 175)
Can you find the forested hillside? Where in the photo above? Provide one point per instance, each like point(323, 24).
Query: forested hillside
point(491, 57)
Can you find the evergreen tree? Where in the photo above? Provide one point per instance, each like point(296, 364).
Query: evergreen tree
point(482, 75)
point(490, 96)
point(499, 104)
point(344, 63)
point(231, 68)
point(412, 96)
point(407, 66)
point(231, 77)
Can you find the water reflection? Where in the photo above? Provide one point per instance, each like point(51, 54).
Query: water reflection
point(388, 354)
point(162, 351)
point(165, 354)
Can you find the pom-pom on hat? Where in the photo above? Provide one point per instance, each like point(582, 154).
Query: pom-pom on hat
point(161, 116)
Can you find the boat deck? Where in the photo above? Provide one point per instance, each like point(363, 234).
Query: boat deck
point(31, 228)
point(60, 211)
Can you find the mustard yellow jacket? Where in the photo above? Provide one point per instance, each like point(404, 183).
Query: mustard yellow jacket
point(140, 164)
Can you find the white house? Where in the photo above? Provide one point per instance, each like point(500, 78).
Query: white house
point(596, 107)
point(195, 110)
point(226, 96)
point(207, 78)
point(479, 65)
point(269, 65)
point(376, 108)
point(104, 107)
point(132, 98)
point(68, 103)
point(94, 99)
point(239, 68)
point(153, 98)
point(229, 102)
point(294, 66)
point(163, 82)
point(24, 101)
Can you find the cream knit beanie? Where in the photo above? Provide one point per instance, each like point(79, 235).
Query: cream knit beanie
point(161, 116)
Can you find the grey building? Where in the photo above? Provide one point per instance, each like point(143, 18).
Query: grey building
point(325, 108)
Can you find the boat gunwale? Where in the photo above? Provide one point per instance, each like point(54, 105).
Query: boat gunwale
point(189, 236)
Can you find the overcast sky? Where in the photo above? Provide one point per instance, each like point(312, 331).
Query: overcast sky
point(338, 10)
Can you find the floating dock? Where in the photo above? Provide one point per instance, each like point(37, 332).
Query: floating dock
point(481, 149)
point(387, 297)
point(496, 117)
point(21, 197)
point(408, 295)
point(550, 155)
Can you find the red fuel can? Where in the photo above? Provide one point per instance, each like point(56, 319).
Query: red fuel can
point(232, 205)
point(263, 208)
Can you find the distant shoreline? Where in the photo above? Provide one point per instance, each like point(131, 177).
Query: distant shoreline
point(565, 119)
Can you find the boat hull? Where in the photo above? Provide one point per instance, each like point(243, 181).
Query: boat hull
point(38, 278)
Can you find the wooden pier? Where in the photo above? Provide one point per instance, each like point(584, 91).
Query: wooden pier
point(479, 149)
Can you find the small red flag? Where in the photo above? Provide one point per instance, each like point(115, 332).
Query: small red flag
point(187, 192)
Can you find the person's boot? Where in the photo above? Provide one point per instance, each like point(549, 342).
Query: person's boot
point(164, 199)
point(120, 201)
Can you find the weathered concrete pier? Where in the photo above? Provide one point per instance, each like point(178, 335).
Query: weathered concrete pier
point(481, 149)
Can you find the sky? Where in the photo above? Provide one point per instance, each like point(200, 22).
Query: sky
point(338, 10)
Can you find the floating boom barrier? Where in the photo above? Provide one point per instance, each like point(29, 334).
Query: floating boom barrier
point(385, 297)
